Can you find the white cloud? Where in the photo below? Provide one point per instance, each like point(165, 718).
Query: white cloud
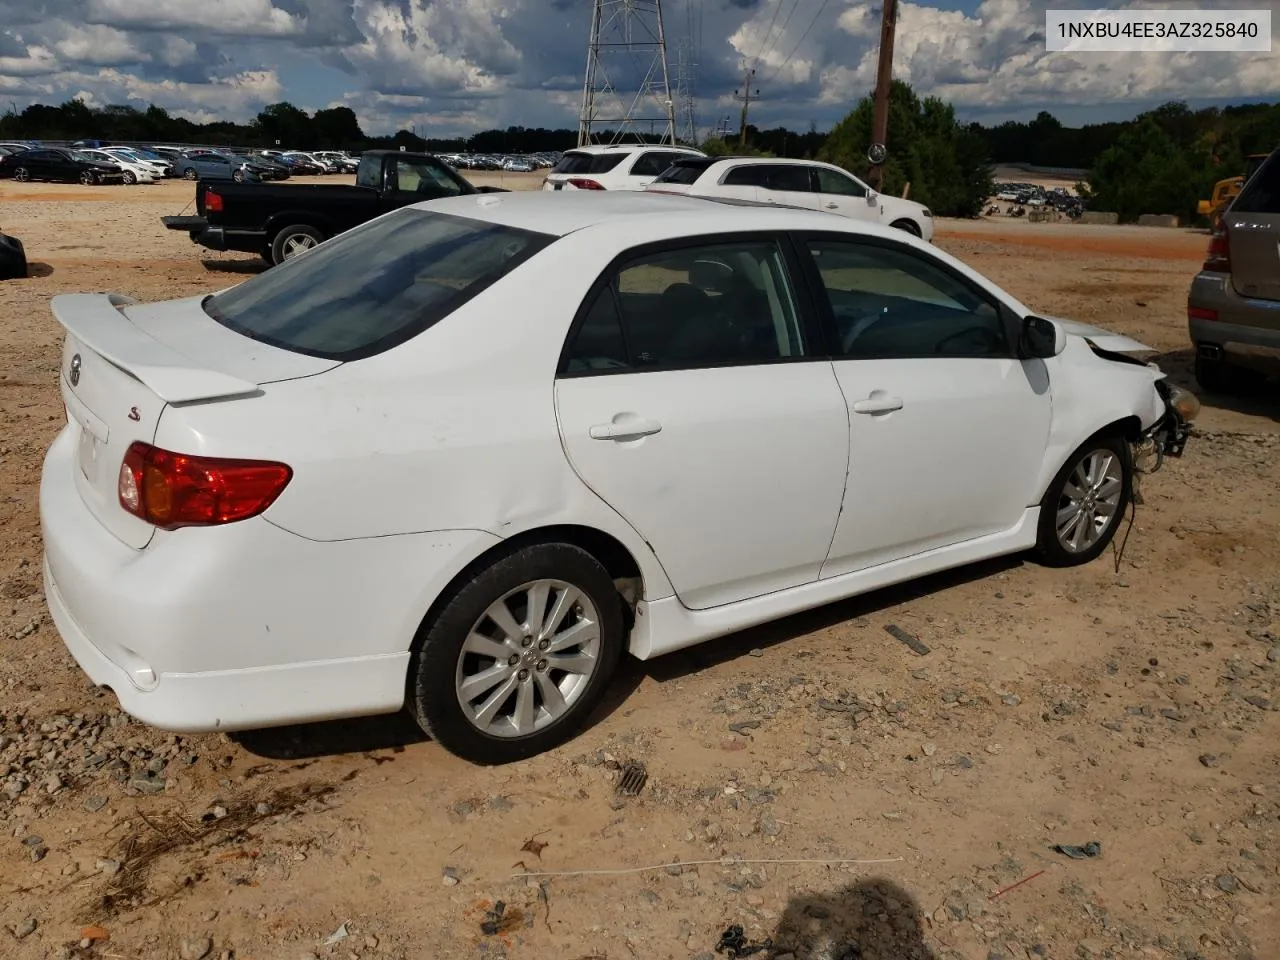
point(451, 65)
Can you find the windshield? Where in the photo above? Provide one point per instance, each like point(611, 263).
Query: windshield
point(376, 286)
point(574, 162)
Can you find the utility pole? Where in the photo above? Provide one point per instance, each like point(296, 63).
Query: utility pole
point(884, 81)
point(746, 99)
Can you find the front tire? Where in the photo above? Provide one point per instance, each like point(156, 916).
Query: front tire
point(518, 656)
point(130, 178)
point(190, 174)
point(1085, 503)
point(88, 178)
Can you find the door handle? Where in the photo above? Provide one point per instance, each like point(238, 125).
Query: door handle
point(625, 430)
point(832, 206)
point(878, 405)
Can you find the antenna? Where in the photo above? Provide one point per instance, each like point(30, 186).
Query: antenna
point(626, 32)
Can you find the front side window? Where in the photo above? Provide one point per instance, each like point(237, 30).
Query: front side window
point(892, 303)
point(829, 181)
point(788, 178)
point(371, 288)
point(723, 303)
point(748, 175)
point(684, 171)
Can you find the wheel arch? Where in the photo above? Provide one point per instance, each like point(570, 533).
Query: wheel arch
point(620, 563)
point(1128, 428)
point(297, 218)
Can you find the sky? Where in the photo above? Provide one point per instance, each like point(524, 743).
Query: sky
point(448, 67)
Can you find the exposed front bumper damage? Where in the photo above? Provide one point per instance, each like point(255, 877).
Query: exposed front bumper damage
point(1167, 437)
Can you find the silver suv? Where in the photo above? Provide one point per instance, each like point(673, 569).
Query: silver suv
point(1233, 308)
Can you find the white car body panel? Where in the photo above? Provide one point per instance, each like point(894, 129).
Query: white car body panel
point(411, 464)
point(875, 208)
point(143, 173)
point(620, 177)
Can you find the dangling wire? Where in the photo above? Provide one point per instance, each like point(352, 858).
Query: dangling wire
point(1133, 516)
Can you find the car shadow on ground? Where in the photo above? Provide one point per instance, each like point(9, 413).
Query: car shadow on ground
point(398, 730)
point(236, 266)
point(38, 270)
point(1264, 401)
point(871, 919)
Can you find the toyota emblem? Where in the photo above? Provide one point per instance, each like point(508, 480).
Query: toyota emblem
point(74, 374)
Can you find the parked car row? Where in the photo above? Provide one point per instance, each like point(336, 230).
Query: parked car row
point(512, 163)
point(64, 165)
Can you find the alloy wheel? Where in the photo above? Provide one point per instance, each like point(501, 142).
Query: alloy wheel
point(1090, 498)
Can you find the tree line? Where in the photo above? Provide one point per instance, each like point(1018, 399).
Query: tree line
point(1162, 161)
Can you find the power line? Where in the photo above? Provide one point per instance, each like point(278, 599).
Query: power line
point(768, 33)
point(781, 33)
point(787, 59)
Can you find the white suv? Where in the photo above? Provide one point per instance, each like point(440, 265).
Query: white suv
point(796, 183)
point(619, 167)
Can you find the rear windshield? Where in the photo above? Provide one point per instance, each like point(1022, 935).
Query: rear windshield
point(1262, 193)
point(574, 162)
point(683, 171)
point(376, 286)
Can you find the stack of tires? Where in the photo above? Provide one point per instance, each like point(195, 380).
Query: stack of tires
point(13, 259)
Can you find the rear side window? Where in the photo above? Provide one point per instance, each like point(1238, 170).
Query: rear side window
point(369, 173)
point(684, 171)
point(791, 179)
point(376, 286)
point(1262, 193)
point(578, 162)
point(749, 175)
point(652, 162)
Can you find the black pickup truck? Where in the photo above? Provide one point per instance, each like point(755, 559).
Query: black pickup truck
point(280, 220)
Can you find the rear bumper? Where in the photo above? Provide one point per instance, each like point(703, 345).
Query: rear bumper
point(1247, 331)
point(217, 238)
point(241, 626)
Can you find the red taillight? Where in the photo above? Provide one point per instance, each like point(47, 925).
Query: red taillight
point(1200, 313)
point(582, 183)
point(1218, 259)
point(212, 202)
point(172, 490)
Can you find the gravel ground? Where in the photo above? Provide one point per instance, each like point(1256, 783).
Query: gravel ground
point(1131, 704)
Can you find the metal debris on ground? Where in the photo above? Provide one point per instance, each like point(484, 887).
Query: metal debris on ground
point(734, 943)
point(913, 642)
point(634, 776)
point(1087, 852)
point(501, 920)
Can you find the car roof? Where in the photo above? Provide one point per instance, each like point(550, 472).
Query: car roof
point(630, 148)
point(561, 213)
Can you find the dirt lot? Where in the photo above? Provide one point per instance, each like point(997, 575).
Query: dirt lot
point(1133, 706)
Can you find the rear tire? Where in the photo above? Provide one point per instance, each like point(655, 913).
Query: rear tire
point(1085, 503)
point(1220, 376)
point(464, 655)
point(293, 240)
point(190, 174)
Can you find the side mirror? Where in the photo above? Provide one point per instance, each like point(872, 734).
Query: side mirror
point(1042, 338)
point(872, 197)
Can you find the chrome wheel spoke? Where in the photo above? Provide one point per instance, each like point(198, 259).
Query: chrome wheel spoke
point(1090, 500)
point(565, 601)
point(489, 709)
point(552, 699)
point(483, 646)
point(579, 663)
point(523, 718)
point(580, 634)
point(536, 607)
point(481, 683)
point(500, 614)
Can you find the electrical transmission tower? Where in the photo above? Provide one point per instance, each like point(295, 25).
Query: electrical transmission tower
point(689, 55)
point(615, 100)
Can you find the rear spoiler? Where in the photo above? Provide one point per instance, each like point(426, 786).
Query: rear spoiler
point(98, 321)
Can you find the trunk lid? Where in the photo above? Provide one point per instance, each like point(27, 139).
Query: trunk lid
point(1252, 223)
point(123, 364)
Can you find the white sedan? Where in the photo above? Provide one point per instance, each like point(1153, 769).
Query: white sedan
point(134, 171)
point(468, 454)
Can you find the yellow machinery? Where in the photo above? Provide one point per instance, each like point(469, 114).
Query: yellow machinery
point(1224, 191)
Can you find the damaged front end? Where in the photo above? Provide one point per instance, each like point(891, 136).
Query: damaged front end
point(1167, 437)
